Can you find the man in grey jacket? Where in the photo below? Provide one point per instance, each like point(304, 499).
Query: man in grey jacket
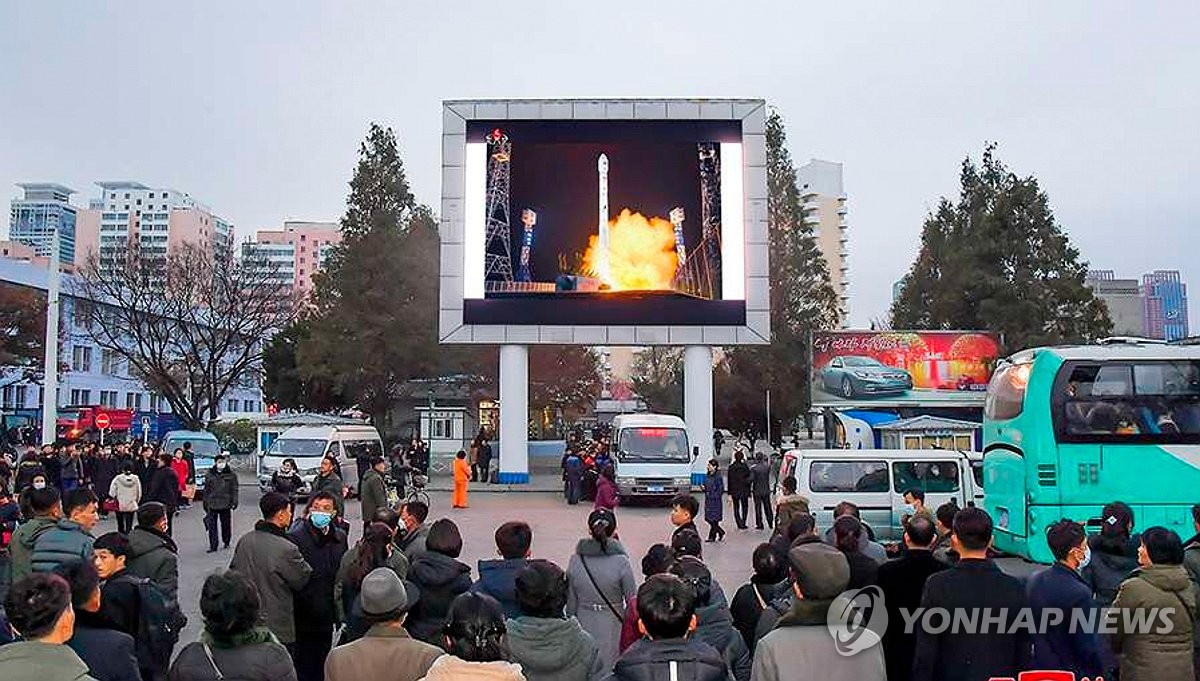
point(275, 565)
point(801, 638)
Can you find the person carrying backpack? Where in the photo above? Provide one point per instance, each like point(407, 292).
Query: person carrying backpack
point(138, 607)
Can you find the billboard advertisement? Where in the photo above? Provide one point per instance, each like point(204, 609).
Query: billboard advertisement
point(616, 222)
point(902, 368)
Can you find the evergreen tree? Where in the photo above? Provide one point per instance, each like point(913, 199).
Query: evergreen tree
point(375, 302)
point(997, 260)
point(285, 385)
point(802, 300)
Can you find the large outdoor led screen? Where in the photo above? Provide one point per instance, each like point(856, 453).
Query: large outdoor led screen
point(604, 222)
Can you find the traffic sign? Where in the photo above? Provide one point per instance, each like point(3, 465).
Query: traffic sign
point(103, 421)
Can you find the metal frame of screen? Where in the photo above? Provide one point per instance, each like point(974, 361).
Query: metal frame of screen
point(743, 223)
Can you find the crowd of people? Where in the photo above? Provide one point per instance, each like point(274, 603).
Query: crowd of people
point(300, 602)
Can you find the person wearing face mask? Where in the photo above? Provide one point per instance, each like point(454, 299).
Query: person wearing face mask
point(276, 567)
point(220, 499)
point(322, 544)
point(1061, 588)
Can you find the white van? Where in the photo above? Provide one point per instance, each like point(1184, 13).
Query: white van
point(876, 479)
point(351, 445)
point(652, 455)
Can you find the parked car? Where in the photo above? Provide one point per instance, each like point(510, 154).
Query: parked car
point(852, 376)
point(876, 480)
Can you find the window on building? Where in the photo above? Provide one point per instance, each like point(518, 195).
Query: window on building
point(126, 194)
point(110, 363)
point(154, 402)
point(7, 396)
point(108, 398)
point(21, 390)
point(441, 428)
point(81, 397)
point(81, 358)
point(248, 406)
point(133, 401)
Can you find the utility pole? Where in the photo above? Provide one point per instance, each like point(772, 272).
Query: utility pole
point(50, 379)
point(768, 418)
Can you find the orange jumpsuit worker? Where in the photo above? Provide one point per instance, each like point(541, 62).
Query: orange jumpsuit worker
point(462, 475)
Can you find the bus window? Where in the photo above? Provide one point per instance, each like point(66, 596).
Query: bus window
point(1006, 393)
point(1144, 403)
point(848, 476)
point(927, 476)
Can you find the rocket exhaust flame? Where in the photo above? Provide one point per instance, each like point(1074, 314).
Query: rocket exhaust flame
point(641, 253)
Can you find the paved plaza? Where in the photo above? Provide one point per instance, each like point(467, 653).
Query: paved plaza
point(556, 529)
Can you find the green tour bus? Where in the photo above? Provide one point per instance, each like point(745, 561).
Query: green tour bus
point(1067, 430)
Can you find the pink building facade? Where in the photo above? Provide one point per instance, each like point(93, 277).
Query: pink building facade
point(295, 252)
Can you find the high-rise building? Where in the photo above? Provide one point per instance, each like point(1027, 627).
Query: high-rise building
point(294, 253)
point(825, 210)
point(157, 220)
point(1166, 305)
point(44, 208)
point(1124, 299)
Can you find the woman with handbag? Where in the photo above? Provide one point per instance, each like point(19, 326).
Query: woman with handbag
point(601, 584)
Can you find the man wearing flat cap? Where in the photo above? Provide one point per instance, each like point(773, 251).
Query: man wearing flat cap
point(386, 651)
point(802, 638)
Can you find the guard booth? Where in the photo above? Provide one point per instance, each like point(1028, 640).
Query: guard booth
point(446, 429)
point(930, 432)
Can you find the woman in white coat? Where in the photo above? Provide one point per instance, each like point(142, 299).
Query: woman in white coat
point(126, 488)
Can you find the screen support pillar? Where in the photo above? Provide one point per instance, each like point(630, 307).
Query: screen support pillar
point(514, 414)
point(698, 405)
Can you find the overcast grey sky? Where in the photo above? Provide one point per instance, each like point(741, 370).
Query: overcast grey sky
point(257, 108)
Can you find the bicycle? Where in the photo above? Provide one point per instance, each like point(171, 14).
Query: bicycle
point(415, 489)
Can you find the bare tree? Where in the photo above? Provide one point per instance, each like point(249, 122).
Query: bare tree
point(191, 325)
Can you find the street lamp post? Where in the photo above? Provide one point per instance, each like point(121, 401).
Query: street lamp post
point(50, 378)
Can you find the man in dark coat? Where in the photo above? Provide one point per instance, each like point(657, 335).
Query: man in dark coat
point(714, 623)
point(372, 490)
point(573, 475)
point(220, 500)
point(328, 480)
point(760, 487)
point(152, 553)
point(164, 488)
point(322, 545)
point(276, 567)
point(975, 582)
point(104, 469)
point(498, 578)
point(1063, 646)
point(109, 654)
point(484, 460)
point(669, 650)
point(739, 488)
point(902, 582)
